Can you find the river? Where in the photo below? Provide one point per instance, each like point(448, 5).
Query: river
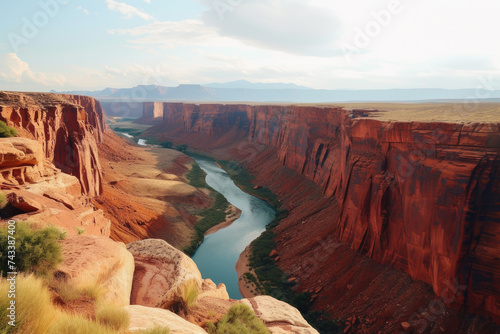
point(217, 255)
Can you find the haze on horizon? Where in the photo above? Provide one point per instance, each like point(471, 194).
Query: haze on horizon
point(91, 45)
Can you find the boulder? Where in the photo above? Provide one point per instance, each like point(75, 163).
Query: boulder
point(160, 273)
point(24, 203)
point(142, 317)
point(209, 289)
point(278, 316)
point(90, 260)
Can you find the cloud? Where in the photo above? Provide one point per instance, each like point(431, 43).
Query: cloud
point(15, 71)
point(127, 10)
point(85, 11)
point(170, 34)
point(291, 26)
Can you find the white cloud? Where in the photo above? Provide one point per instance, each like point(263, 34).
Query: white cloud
point(15, 71)
point(171, 34)
point(127, 10)
point(292, 26)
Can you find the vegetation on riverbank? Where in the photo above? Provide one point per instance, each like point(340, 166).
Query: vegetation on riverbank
point(244, 180)
point(211, 216)
point(271, 280)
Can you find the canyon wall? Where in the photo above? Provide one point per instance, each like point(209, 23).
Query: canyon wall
point(69, 128)
point(422, 197)
point(152, 111)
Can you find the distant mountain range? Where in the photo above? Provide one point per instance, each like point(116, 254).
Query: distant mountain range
point(245, 91)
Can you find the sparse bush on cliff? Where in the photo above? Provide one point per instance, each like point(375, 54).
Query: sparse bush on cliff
point(239, 320)
point(113, 317)
point(186, 298)
point(3, 200)
point(7, 131)
point(34, 310)
point(37, 251)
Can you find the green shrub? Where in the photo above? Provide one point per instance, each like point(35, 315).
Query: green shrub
point(166, 144)
point(244, 180)
point(3, 200)
point(113, 317)
point(154, 330)
point(7, 131)
point(80, 230)
point(181, 148)
point(36, 251)
point(34, 310)
point(211, 217)
point(239, 320)
point(196, 177)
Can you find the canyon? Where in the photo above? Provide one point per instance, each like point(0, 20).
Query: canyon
point(415, 196)
point(67, 169)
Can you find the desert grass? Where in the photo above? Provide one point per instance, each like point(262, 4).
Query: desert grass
point(75, 324)
point(113, 317)
point(34, 310)
point(68, 291)
point(185, 298)
point(189, 292)
point(3, 200)
point(154, 330)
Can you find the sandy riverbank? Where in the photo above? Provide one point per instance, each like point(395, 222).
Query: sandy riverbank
point(242, 267)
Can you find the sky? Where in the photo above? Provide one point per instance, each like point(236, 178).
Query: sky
point(322, 44)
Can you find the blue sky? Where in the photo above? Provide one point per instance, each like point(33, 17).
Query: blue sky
point(330, 44)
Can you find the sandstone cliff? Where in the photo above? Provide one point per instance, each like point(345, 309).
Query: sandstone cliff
point(68, 127)
point(422, 197)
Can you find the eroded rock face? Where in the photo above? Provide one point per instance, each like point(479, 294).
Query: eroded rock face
point(68, 127)
point(152, 111)
point(21, 161)
point(160, 272)
point(142, 317)
point(422, 197)
point(90, 260)
point(278, 316)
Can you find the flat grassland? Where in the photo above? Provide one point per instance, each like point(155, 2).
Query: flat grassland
point(456, 112)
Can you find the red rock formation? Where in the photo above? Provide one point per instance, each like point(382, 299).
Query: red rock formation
point(152, 111)
point(69, 127)
point(422, 197)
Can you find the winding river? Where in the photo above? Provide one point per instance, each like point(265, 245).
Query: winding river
point(217, 255)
